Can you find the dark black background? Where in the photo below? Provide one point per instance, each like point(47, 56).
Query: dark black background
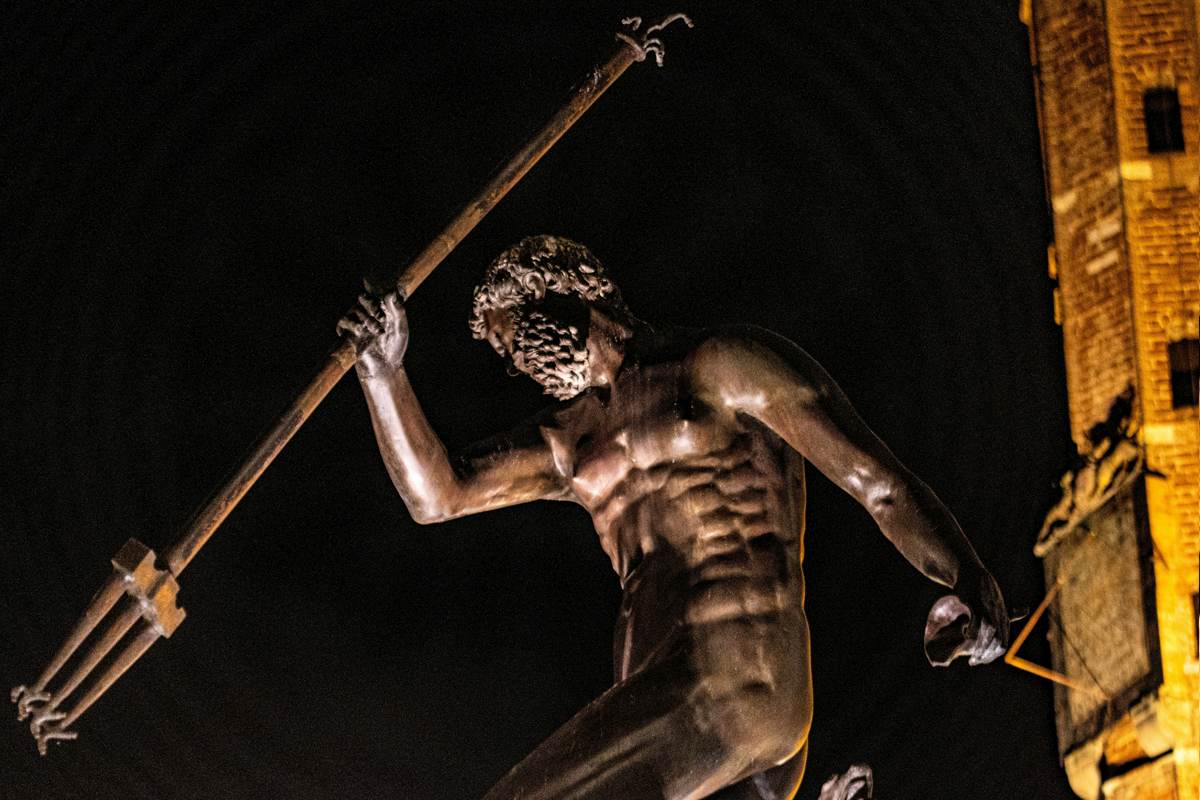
point(190, 195)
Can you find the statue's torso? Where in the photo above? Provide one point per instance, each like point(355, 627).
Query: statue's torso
point(700, 511)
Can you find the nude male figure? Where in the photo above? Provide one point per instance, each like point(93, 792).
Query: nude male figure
point(687, 448)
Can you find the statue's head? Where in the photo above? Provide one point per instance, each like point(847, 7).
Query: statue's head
point(534, 306)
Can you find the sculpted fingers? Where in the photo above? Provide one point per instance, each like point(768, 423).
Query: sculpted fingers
point(997, 612)
point(371, 310)
point(378, 327)
point(393, 307)
point(369, 304)
point(359, 324)
point(987, 646)
point(370, 321)
point(388, 310)
point(348, 326)
point(369, 307)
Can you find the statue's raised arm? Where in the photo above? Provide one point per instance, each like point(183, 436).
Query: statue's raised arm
point(513, 468)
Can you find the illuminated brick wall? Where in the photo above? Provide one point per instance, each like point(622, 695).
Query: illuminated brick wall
point(1155, 781)
point(1120, 117)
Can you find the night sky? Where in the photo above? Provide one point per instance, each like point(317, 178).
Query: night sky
point(189, 200)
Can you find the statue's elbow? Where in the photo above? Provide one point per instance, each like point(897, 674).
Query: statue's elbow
point(426, 500)
point(430, 513)
point(426, 510)
point(423, 517)
point(883, 498)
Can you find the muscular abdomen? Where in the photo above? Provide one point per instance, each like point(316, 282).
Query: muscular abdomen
point(707, 547)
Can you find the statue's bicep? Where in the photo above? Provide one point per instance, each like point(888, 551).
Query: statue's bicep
point(777, 383)
point(515, 467)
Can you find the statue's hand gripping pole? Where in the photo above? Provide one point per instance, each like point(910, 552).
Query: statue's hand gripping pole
point(142, 590)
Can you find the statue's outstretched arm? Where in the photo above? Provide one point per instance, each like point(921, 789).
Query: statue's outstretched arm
point(511, 469)
point(755, 372)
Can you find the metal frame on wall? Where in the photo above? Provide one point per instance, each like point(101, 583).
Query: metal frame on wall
point(1073, 732)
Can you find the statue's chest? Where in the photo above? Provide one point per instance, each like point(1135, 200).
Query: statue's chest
point(650, 423)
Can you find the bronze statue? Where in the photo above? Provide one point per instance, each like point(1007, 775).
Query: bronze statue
point(687, 448)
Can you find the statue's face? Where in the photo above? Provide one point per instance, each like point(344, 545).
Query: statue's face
point(539, 340)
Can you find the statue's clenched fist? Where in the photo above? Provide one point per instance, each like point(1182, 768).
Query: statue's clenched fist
point(378, 326)
point(971, 622)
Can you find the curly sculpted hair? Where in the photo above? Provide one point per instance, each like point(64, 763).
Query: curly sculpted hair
point(565, 266)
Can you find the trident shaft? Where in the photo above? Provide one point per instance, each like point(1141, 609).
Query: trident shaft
point(137, 604)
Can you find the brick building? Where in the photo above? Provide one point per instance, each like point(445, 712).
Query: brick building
point(1119, 106)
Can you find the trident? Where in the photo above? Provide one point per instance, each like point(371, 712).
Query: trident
point(148, 590)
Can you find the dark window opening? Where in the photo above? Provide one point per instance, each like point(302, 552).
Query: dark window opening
point(1164, 127)
point(1196, 620)
point(1183, 357)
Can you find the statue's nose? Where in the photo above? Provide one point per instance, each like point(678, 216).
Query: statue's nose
point(500, 330)
point(500, 343)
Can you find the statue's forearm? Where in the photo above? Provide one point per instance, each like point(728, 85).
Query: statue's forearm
point(414, 456)
point(924, 531)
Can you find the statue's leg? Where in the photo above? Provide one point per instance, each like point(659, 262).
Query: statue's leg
point(666, 733)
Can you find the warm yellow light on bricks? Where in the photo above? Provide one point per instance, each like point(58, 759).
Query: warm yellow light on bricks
point(1125, 197)
point(1139, 170)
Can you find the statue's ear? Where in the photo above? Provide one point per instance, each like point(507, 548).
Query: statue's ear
point(536, 285)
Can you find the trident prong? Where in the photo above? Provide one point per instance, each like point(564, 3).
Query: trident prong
point(649, 44)
point(25, 699)
point(151, 597)
point(45, 737)
point(43, 716)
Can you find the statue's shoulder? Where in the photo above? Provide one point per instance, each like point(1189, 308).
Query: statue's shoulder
point(743, 366)
point(726, 346)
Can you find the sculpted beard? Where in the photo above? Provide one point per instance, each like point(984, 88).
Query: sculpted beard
point(554, 353)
